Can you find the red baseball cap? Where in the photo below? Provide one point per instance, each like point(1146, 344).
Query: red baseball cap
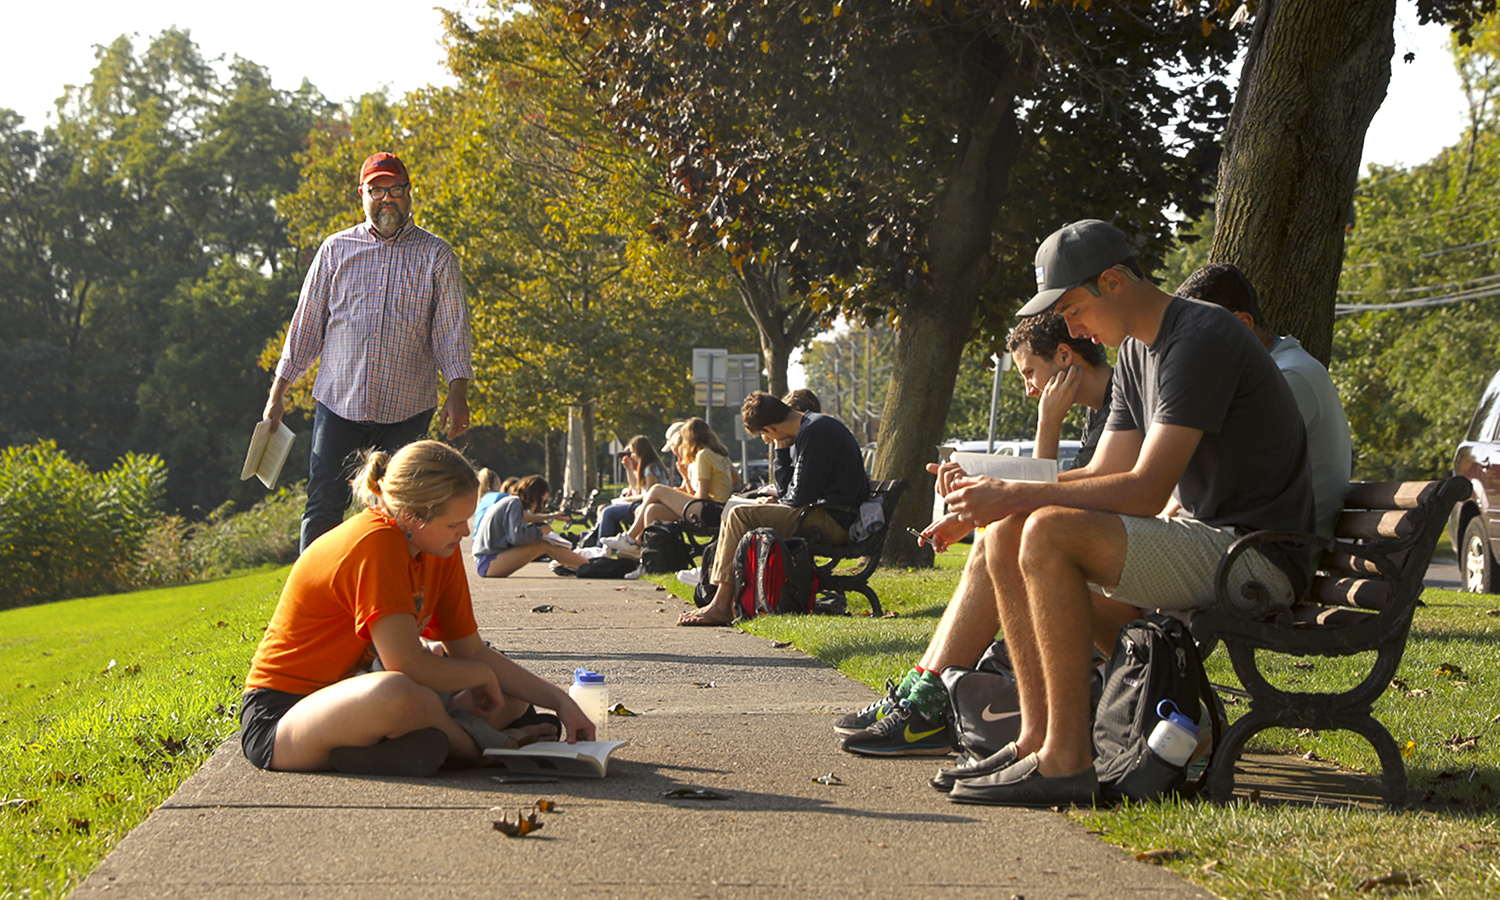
point(382, 163)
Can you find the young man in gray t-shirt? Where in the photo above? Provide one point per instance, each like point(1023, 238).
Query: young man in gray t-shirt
point(1199, 414)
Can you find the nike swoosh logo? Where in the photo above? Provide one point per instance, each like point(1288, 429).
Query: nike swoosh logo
point(997, 717)
point(913, 736)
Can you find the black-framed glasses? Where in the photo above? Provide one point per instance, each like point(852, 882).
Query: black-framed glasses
point(396, 191)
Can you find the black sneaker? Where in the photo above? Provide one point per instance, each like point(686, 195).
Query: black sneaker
point(903, 732)
point(855, 722)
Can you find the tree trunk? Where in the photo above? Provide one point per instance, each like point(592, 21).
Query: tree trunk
point(781, 320)
point(935, 327)
point(1315, 73)
point(556, 450)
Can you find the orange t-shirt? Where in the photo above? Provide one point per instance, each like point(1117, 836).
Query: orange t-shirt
point(348, 578)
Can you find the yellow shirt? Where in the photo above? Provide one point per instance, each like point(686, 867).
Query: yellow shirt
point(713, 469)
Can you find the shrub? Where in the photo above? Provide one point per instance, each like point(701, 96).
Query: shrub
point(67, 532)
point(176, 552)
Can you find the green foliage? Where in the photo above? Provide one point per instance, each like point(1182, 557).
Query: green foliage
point(158, 170)
point(109, 704)
point(66, 532)
point(176, 552)
point(1410, 378)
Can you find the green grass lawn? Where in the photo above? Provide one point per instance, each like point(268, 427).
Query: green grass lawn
point(1447, 845)
point(106, 705)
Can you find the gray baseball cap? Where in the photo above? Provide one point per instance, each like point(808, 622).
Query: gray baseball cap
point(1070, 256)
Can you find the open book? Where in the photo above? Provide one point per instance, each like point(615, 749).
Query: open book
point(267, 452)
point(585, 759)
point(995, 465)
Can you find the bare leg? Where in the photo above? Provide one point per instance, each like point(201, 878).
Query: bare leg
point(1061, 551)
point(662, 503)
point(358, 712)
point(511, 559)
point(972, 617)
point(1110, 615)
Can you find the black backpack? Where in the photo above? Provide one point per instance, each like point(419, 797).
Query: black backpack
point(606, 567)
point(703, 594)
point(773, 575)
point(665, 548)
point(1155, 659)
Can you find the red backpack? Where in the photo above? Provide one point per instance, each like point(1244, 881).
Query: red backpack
point(773, 575)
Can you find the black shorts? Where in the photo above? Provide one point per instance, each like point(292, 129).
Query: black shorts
point(260, 710)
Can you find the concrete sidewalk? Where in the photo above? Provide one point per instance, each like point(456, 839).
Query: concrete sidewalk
point(717, 708)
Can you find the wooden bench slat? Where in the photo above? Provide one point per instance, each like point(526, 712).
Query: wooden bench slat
point(1366, 593)
point(1311, 615)
point(1359, 567)
point(1388, 494)
point(1373, 525)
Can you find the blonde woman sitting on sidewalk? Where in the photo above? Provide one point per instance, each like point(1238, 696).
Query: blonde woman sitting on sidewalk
point(513, 532)
point(372, 590)
point(705, 467)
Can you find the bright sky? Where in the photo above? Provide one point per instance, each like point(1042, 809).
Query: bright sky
point(53, 46)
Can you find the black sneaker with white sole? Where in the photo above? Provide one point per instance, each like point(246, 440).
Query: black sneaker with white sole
point(855, 722)
point(903, 732)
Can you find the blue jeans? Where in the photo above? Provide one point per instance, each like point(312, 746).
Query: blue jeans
point(336, 442)
point(612, 520)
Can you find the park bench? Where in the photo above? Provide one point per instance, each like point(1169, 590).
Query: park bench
point(827, 556)
point(1362, 598)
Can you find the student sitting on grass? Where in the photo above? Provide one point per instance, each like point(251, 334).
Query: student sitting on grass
point(513, 532)
point(375, 587)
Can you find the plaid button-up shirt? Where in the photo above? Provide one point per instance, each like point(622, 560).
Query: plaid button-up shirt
point(384, 315)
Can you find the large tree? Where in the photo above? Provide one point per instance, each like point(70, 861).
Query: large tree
point(901, 160)
point(1315, 73)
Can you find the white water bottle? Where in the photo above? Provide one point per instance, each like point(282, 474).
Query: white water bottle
point(1175, 737)
point(592, 696)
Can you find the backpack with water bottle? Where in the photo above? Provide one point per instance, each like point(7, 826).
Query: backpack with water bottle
point(1158, 717)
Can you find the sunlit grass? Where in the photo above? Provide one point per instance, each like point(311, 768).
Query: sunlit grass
point(106, 705)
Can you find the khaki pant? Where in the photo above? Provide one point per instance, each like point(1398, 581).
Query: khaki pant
point(743, 519)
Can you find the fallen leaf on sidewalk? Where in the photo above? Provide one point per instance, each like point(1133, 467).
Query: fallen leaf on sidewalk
point(1395, 879)
point(520, 827)
point(830, 778)
point(620, 710)
point(777, 645)
point(694, 794)
point(543, 805)
point(544, 608)
point(1157, 857)
point(704, 684)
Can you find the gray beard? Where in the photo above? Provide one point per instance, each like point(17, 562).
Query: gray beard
point(387, 220)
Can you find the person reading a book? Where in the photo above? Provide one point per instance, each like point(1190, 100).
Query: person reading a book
point(382, 311)
point(643, 471)
point(709, 477)
point(1199, 413)
point(372, 591)
point(817, 460)
point(515, 531)
point(1061, 371)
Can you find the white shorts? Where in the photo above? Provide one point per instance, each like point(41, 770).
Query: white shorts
point(1171, 563)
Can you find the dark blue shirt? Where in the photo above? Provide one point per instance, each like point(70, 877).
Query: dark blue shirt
point(822, 465)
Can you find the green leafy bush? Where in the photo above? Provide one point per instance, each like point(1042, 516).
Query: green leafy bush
point(68, 532)
point(176, 552)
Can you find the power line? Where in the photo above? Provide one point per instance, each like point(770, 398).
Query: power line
point(1344, 309)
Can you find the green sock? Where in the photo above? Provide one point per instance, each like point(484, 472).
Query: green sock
point(904, 688)
point(928, 696)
